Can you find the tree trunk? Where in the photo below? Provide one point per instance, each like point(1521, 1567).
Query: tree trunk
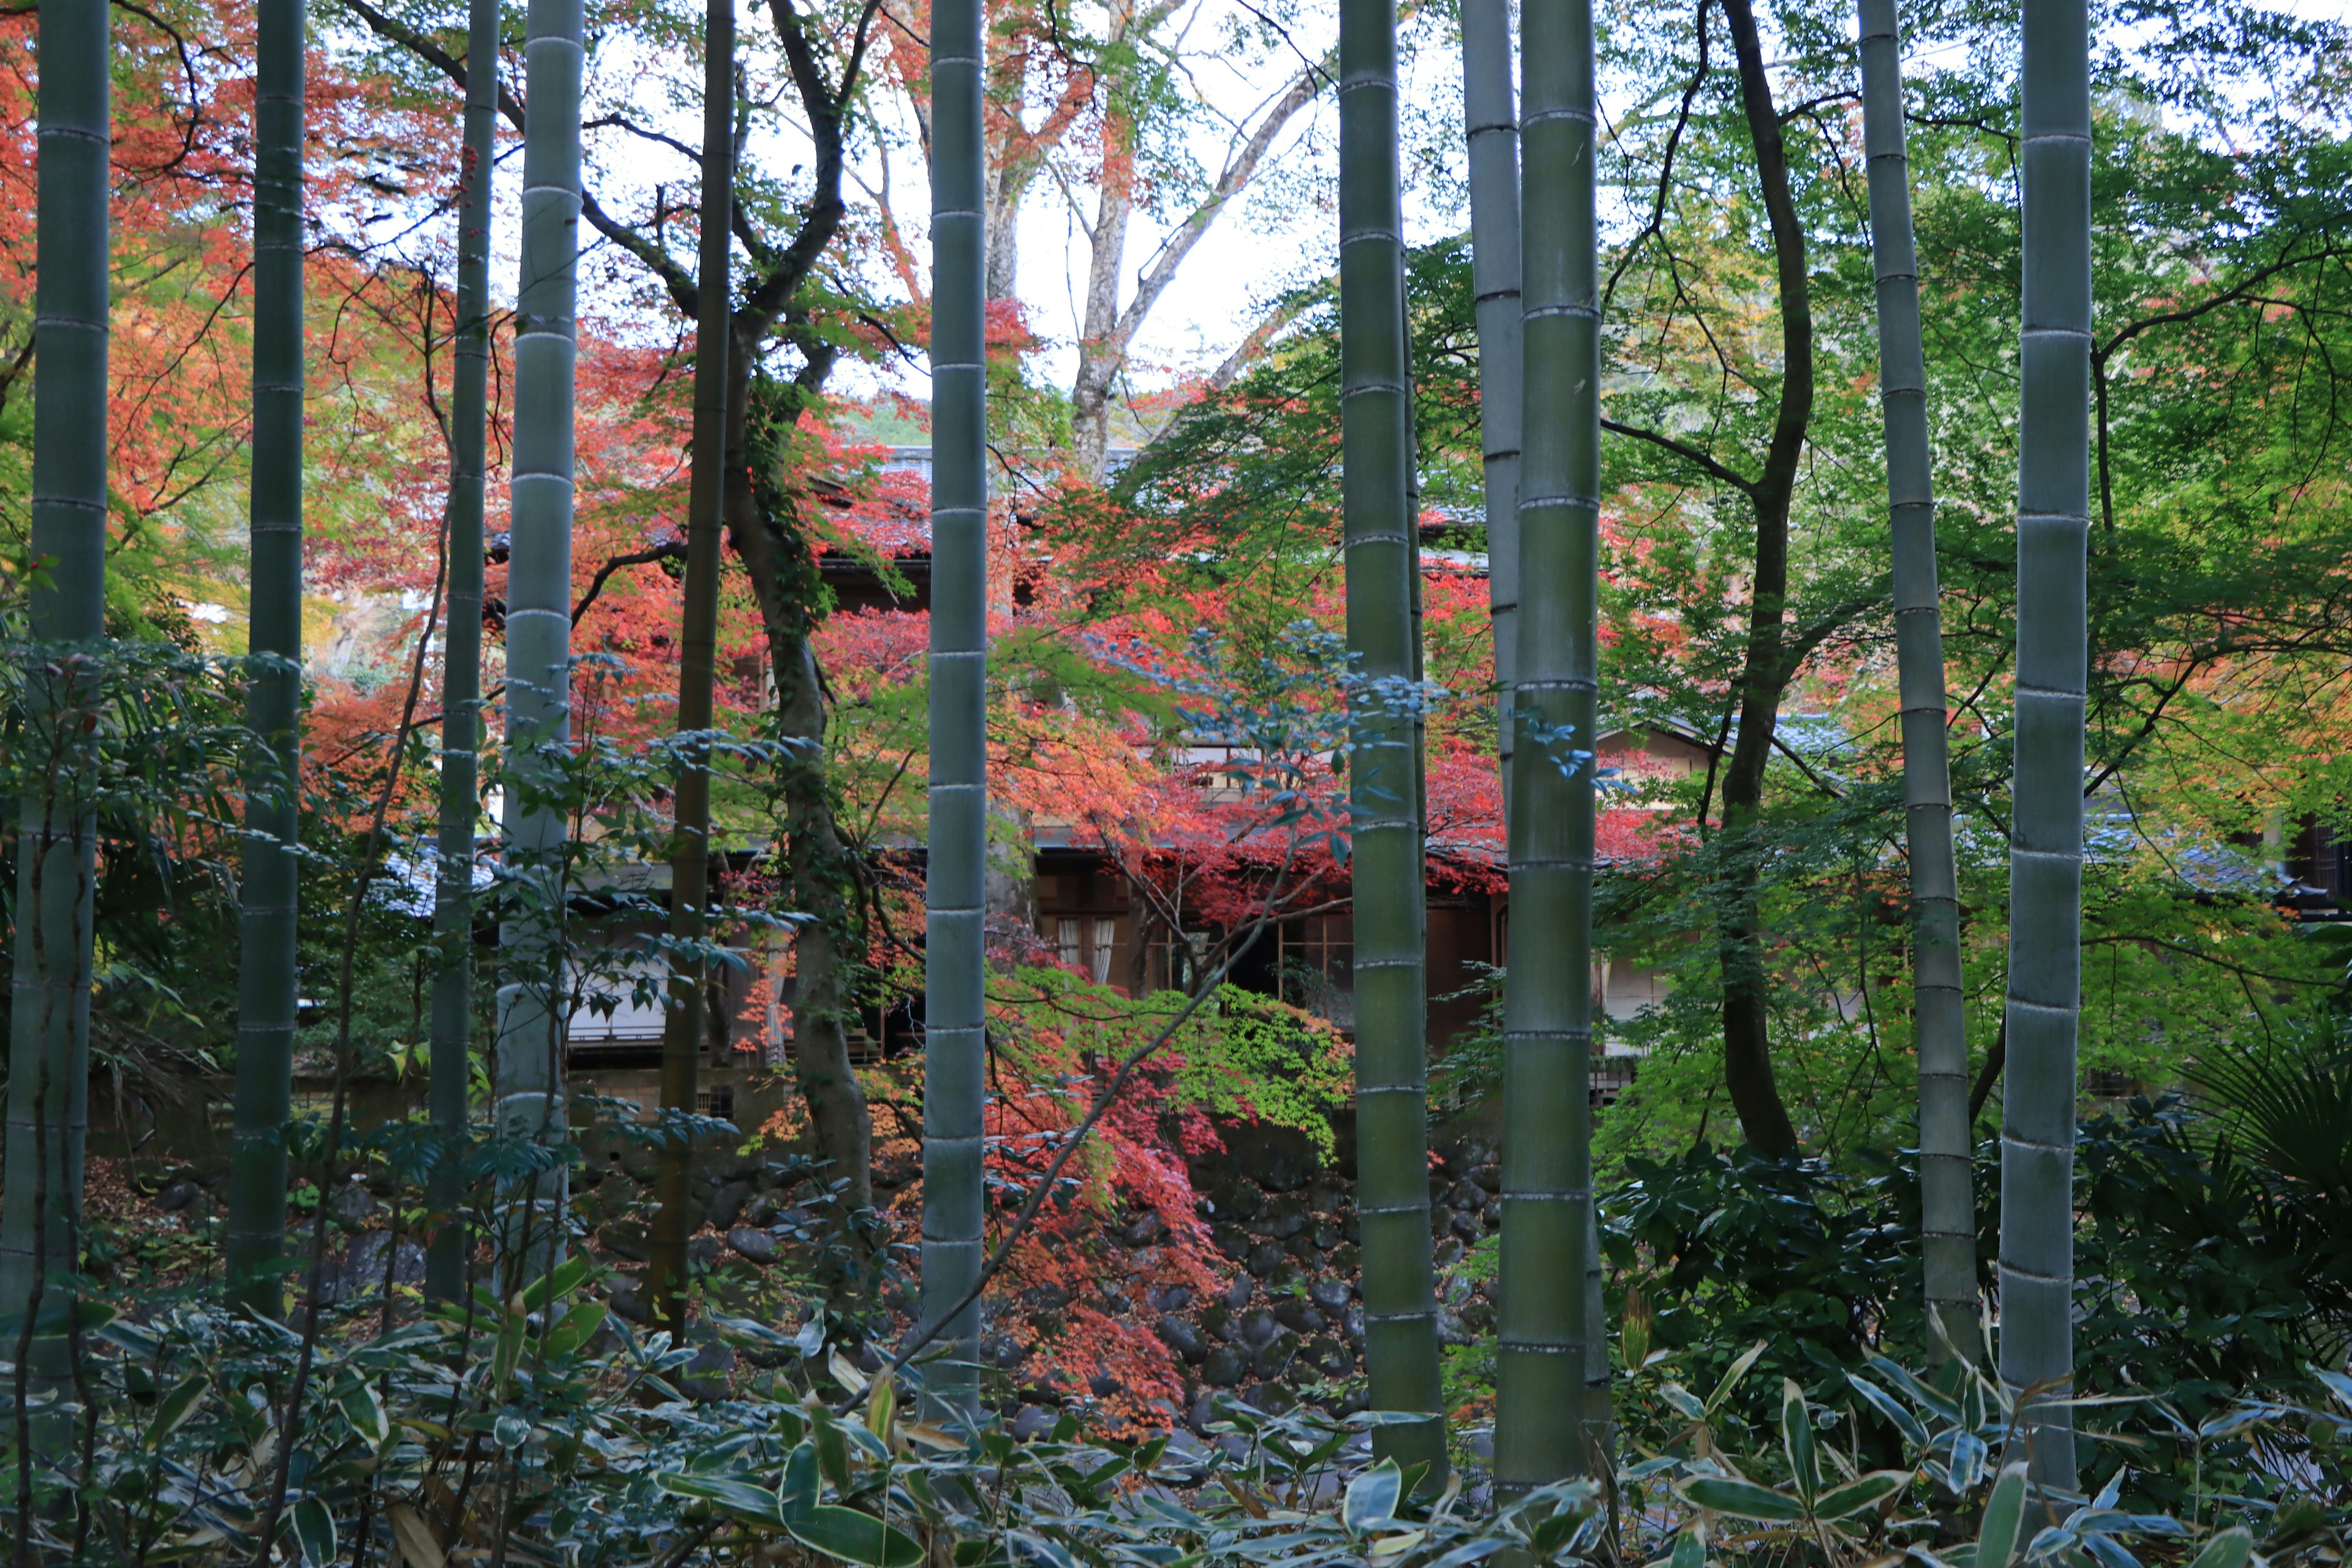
point(1746, 1042)
point(269, 874)
point(954, 1018)
point(461, 678)
point(1384, 783)
point(48, 1043)
point(530, 1056)
point(1948, 1206)
point(821, 877)
point(819, 868)
point(1110, 331)
point(1102, 343)
point(689, 873)
point(1494, 141)
point(2045, 859)
point(1546, 1324)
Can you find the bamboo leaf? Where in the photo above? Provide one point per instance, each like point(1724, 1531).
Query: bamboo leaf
point(364, 1410)
point(1726, 1494)
point(576, 1327)
point(2004, 1513)
point(1371, 1498)
point(1863, 1491)
point(1797, 1439)
point(855, 1537)
point(175, 1408)
point(2230, 1548)
point(800, 1489)
point(414, 1537)
point(1682, 1400)
point(1731, 1378)
point(1886, 1404)
point(742, 1498)
point(314, 1531)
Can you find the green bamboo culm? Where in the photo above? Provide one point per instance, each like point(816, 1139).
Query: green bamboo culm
point(689, 876)
point(1383, 772)
point(1947, 1203)
point(48, 1039)
point(450, 1052)
point(269, 874)
point(954, 1047)
point(2045, 858)
point(1549, 1408)
point(1492, 127)
point(527, 1066)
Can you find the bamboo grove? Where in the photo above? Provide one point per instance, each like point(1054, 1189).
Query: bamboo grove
point(1775, 665)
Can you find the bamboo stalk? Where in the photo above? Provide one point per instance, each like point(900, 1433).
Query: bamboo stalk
point(269, 875)
point(1383, 772)
point(1547, 1411)
point(528, 1063)
point(461, 666)
point(954, 998)
point(2045, 861)
point(48, 1043)
point(689, 874)
point(1947, 1206)
point(1491, 130)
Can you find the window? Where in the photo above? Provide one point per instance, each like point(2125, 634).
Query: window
point(1086, 943)
point(1318, 967)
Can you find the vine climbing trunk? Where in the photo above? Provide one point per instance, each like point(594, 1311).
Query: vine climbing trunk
point(1383, 771)
point(689, 864)
point(1546, 1325)
point(1947, 1206)
point(49, 1027)
point(2045, 855)
point(528, 1067)
point(450, 1053)
point(1493, 132)
point(954, 1029)
point(269, 871)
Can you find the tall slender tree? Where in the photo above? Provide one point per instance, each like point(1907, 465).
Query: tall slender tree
point(689, 864)
point(2045, 855)
point(1383, 773)
point(1546, 1324)
point(954, 1020)
point(1947, 1206)
point(270, 876)
point(1493, 134)
point(530, 1063)
point(48, 1035)
point(451, 1065)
